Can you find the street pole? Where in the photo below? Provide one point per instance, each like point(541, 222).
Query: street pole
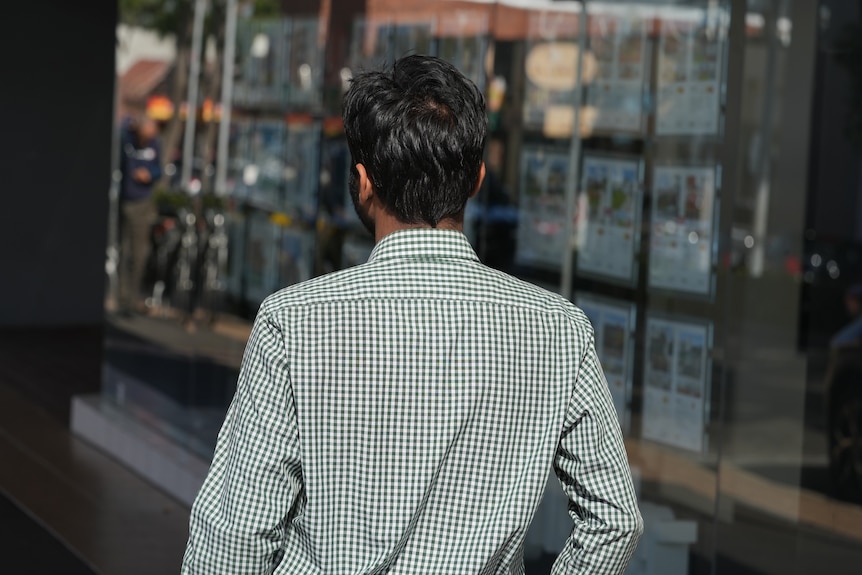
point(226, 97)
point(574, 160)
point(192, 99)
point(112, 259)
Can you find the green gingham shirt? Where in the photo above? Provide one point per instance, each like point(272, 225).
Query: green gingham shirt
point(402, 417)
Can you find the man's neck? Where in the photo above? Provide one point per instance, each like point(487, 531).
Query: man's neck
point(383, 226)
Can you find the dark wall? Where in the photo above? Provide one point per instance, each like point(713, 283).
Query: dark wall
point(55, 159)
point(300, 7)
point(836, 189)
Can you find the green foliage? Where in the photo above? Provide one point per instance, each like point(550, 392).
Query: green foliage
point(169, 199)
point(166, 197)
point(166, 16)
point(213, 201)
point(162, 16)
point(265, 8)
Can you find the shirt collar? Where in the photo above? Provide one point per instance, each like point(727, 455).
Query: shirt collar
point(424, 243)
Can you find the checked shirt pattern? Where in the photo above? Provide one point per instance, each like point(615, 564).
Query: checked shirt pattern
point(403, 416)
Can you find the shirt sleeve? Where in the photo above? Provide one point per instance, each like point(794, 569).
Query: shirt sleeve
point(239, 517)
point(592, 466)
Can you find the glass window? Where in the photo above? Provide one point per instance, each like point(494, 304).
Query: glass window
point(686, 172)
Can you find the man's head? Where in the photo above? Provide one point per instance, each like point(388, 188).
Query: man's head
point(147, 130)
point(416, 134)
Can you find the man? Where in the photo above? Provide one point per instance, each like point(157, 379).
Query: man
point(402, 416)
point(140, 164)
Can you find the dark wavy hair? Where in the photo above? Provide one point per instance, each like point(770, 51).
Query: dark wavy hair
point(419, 129)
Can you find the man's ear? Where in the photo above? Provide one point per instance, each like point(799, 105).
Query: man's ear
point(366, 188)
point(479, 180)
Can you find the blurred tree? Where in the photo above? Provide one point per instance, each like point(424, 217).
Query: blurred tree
point(168, 18)
point(173, 19)
point(215, 29)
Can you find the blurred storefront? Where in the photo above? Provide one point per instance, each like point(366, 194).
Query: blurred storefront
point(688, 172)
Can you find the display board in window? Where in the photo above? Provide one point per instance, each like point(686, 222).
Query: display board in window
point(462, 41)
point(542, 230)
point(304, 62)
point(608, 218)
point(614, 326)
point(676, 382)
point(690, 68)
point(682, 229)
point(614, 93)
point(551, 70)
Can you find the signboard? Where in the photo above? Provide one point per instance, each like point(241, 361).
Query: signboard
point(369, 46)
point(261, 152)
point(295, 257)
point(260, 52)
point(276, 256)
point(261, 257)
point(462, 42)
point(551, 70)
point(676, 383)
point(300, 171)
point(681, 254)
point(614, 325)
point(304, 62)
point(542, 209)
point(618, 44)
point(608, 218)
point(690, 64)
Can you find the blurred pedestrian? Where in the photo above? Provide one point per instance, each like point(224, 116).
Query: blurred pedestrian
point(140, 165)
point(402, 416)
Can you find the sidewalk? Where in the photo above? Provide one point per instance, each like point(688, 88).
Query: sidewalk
point(86, 514)
point(30, 547)
point(63, 490)
point(222, 342)
point(114, 521)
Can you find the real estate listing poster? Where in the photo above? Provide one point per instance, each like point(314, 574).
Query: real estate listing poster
point(295, 257)
point(264, 169)
point(369, 44)
point(614, 325)
point(608, 218)
point(276, 256)
point(551, 72)
point(615, 95)
point(235, 222)
point(412, 38)
point(300, 170)
point(304, 61)
point(690, 63)
point(681, 254)
point(260, 268)
point(461, 41)
point(333, 193)
point(261, 61)
point(542, 230)
point(676, 383)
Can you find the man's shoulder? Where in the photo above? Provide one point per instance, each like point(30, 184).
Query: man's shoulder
point(374, 280)
point(531, 296)
point(325, 288)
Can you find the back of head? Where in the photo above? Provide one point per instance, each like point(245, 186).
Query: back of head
point(419, 129)
point(148, 129)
